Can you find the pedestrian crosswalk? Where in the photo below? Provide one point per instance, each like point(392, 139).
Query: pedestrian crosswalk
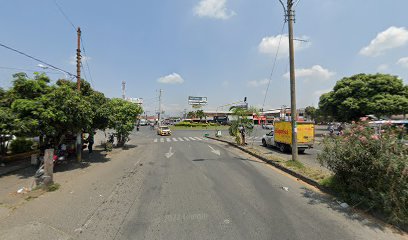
point(191, 139)
point(178, 139)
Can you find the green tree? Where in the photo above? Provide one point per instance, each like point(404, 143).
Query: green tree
point(191, 114)
point(242, 121)
point(122, 118)
point(311, 112)
point(200, 114)
point(362, 94)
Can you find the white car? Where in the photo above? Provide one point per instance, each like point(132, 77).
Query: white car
point(268, 126)
point(268, 139)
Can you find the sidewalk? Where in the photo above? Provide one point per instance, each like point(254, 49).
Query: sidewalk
point(13, 166)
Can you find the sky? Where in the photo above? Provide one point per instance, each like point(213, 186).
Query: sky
point(224, 50)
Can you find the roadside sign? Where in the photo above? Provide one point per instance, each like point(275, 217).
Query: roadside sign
point(197, 100)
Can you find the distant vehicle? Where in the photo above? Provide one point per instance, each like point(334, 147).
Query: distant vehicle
point(281, 136)
point(223, 120)
point(268, 126)
point(143, 122)
point(163, 130)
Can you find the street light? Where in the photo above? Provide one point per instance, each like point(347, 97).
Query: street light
point(47, 67)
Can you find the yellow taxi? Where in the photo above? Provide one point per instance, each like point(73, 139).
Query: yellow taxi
point(163, 130)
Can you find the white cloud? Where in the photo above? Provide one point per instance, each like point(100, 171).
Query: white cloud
point(270, 45)
point(391, 38)
point(225, 83)
point(213, 9)
point(72, 59)
point(255, 83)
point(403, 62)
point(173, 78)
point(316, 72)
point(318, 93)
point(382, 68)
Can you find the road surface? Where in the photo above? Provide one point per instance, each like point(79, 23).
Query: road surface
point(184, 187)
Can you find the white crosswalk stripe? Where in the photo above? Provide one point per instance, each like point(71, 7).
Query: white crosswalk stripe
point(179, 139)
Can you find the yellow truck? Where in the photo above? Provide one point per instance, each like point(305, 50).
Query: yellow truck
point(281, 136)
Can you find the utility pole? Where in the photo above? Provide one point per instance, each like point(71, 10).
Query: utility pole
point(159, 115)
point(290, 17)
point(123, 90)
point(79, 134)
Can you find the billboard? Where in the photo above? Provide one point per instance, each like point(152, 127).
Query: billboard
point(197, 100)
point(135, 100)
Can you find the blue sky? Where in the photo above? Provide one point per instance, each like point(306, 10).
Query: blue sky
point(220, 49)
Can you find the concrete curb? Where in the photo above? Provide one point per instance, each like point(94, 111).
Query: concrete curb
point(280, 167)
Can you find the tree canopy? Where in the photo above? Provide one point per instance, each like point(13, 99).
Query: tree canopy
point(35, 107)
point(363, 94)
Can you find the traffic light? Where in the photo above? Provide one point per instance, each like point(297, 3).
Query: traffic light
point(245, 99)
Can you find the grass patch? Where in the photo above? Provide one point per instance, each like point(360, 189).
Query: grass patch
point(53, 187)
point(327, 182)
point(294, 164)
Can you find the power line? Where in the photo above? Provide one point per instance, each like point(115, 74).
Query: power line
point(63, 14)
point(274, 65)
point(86, 61)
point(36, 59)
point(83, 45)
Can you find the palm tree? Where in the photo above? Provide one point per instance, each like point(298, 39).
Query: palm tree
point(191, 114)
point(242, 124)
point(200, 114)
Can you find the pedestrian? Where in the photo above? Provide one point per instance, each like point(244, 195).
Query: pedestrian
point(90, 141)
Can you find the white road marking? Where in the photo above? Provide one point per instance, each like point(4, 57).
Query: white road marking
point(192, 138)
point(155, 140)
point(180, 139)
point(188, 140)
point(214, 151)
point(198, 138)
point(174, 139)
point(168, 140)
point(170, 153)
point(161, 139)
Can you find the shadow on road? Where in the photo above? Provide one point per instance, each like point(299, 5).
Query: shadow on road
point(328, 201)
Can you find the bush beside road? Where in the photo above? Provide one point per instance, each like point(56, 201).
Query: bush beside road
point(388, 198)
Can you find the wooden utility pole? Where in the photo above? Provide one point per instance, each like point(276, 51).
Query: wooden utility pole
point(290, 17)
point(79, 134)
point(79, 60)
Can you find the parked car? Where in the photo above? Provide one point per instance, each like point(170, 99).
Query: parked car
point(163, 130)
point(268, 126)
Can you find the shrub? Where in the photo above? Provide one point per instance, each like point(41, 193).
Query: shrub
point(21, 145)
point(194, 124)
point(370, 170)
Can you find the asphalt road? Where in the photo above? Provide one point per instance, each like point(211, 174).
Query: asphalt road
point(183, 187)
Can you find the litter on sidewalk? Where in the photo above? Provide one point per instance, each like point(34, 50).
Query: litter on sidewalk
point(23, 190)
